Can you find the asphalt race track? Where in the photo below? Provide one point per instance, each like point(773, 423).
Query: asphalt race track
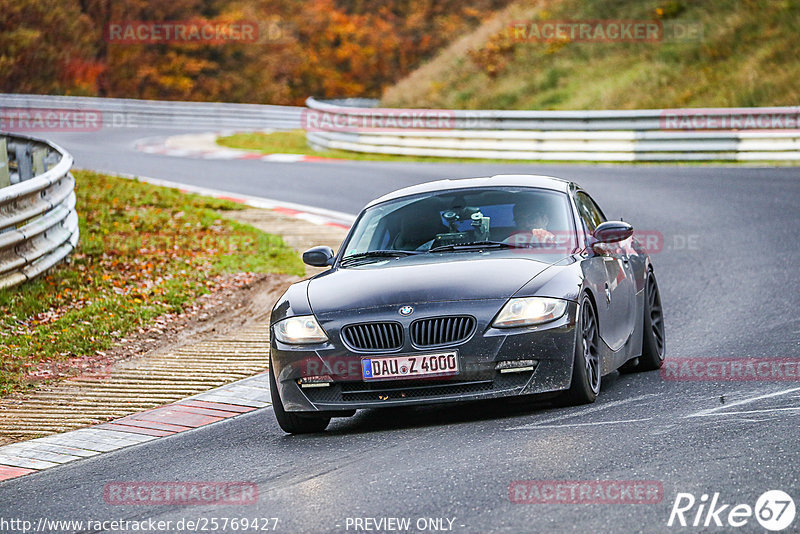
point(727, 274)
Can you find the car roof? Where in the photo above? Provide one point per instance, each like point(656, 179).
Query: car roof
point(499, 180)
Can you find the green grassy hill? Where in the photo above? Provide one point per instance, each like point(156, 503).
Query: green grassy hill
point(748, 55)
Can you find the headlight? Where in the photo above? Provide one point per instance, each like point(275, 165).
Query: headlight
point(529, 311)
point(300, 330)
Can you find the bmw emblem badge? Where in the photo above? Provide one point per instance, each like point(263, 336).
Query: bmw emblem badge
point(405, 311)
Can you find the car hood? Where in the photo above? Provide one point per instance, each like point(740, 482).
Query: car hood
point(414, 280)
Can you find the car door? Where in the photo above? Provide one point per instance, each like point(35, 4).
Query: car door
point(612, 267)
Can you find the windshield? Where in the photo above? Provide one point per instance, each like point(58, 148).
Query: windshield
point(528, 219)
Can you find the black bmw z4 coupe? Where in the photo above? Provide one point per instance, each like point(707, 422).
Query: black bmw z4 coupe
point(465, 289)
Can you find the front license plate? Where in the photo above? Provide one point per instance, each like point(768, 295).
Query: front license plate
point(421, 365)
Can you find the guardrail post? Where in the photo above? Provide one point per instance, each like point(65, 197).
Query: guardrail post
point(24, 162)
point(5, 175)
point(38, 161)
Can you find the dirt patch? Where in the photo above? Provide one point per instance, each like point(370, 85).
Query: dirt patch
point(239, 299)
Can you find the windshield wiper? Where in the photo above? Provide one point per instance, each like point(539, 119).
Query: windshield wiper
point(474, 245)
point(372, 254)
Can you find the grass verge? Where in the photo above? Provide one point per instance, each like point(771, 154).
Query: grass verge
point(294, 142)
point(144, 251)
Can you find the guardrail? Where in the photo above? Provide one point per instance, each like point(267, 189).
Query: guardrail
point(736, 134)
point(122, 112)
point(610, 135)
point(38, 222)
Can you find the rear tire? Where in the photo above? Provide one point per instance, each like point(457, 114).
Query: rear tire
point(293, 422)
point(586, 367)
point(653, 342)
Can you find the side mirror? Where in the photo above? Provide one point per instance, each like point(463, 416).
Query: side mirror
point(318, 256)
point(613, 232)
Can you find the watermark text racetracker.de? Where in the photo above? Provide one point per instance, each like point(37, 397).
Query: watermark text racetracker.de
point(605, 31)
point(555, 242)
point(585, 492)
point(34, 119)
point(730, 119)
point(50, 120)
point(564, 242)
point(208, 32)
point(180, 493)
point(146, 32)
point(731, 369)
point(354, 119)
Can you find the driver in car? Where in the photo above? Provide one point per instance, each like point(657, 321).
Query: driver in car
point(532, 221)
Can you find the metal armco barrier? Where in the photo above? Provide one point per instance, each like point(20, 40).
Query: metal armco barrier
point(733, 134)
point(38, 223)
point(129, 113)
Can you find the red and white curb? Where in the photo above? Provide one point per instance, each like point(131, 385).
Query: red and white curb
point(203, 146)
point(212, 406)
point(310, 214)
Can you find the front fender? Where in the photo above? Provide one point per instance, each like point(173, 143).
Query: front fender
point(293, 302)
point(563, 281)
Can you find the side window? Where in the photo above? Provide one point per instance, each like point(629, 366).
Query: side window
point(589, 212)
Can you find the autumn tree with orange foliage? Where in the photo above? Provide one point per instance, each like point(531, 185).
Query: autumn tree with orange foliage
point(46, 46)
point(324, 48)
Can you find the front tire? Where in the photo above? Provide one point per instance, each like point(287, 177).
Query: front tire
point(294, 423)
point(586, 367)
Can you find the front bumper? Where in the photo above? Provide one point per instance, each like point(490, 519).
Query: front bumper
point(552, 345)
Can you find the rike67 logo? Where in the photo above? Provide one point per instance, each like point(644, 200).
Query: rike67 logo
point(774, 510)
